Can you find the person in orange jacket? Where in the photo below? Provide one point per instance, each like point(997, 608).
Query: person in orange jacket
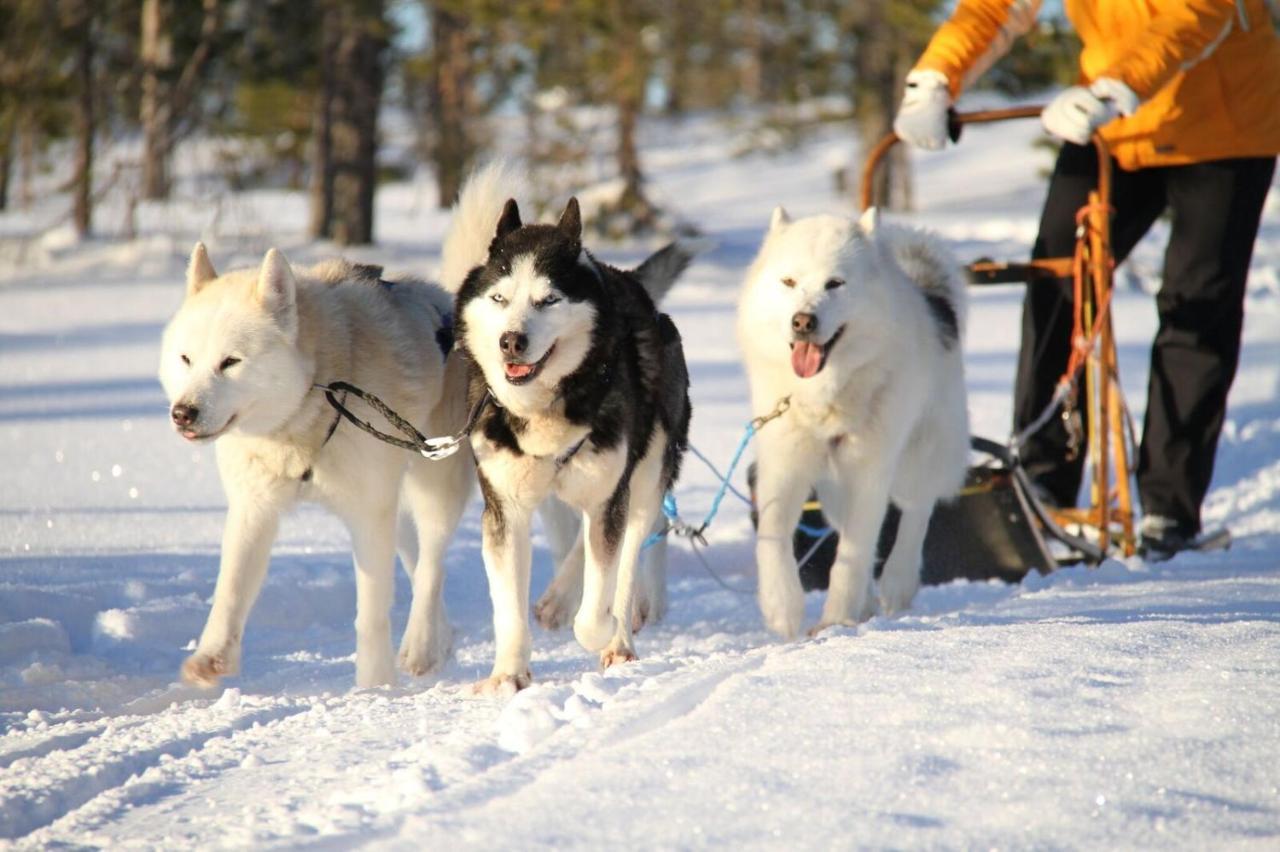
point(1187, 95)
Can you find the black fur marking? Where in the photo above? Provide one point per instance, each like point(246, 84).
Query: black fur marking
point(509, 221)
point(615, 515)
point(570, 223)
point(944, 316)
point(494, 519)
point(444, 335)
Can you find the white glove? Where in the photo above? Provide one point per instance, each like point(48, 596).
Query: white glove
point(922, 118)
point(1075, 114)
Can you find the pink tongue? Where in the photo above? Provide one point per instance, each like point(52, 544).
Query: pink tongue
point(806, 359)
point(517, 371)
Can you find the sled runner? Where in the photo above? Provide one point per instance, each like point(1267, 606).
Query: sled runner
point(998, 526)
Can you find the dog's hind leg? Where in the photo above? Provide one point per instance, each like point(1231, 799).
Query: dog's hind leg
point(901, 577)
point(436, 495)
point(651, 581)
point(555, 609)
point(246, 549)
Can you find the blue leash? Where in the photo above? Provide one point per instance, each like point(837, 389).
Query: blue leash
point(672, 512)
point(675, 524)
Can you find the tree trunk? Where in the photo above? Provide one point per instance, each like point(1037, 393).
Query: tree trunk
point(26, 160)
point(877, 62)
point(156, 53)
point(450, 102)
point(7, 137)
point(628, 85)
point(753, 58)
point(86, 124)
point(321, 191)
point(357, 93)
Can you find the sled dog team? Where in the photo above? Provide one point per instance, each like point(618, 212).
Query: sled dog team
point(572, 389)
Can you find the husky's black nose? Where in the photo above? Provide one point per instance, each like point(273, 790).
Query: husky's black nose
point(184, 415)
point(802, 323)
point(513, 343)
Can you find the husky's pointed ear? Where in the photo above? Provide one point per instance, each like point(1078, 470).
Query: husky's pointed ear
point(509, 220)
point(779, 218)
point(571, 221)
point(199, 270)
point(870, 220)
point(277, 291)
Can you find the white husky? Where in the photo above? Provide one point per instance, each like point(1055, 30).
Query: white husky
point(858, 326)
point(240, 362)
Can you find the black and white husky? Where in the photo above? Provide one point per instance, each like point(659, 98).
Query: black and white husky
point(582, 391)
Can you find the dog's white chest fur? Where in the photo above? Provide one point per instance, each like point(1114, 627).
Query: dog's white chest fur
point(549, 436)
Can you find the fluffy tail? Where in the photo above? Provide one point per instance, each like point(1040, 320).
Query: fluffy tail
point(929, 262)
point(661, 269)
point(475, 220)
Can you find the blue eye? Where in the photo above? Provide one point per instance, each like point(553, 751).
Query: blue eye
point(497, 298)
point(547, 302)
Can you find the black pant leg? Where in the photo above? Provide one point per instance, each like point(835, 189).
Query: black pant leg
point(1216, 210)
point(1138, 198)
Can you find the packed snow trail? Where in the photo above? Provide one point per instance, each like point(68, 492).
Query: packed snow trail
point(1132, 705)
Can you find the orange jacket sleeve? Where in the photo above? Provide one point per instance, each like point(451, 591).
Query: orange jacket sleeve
point(974, 37)
point(1180, 33)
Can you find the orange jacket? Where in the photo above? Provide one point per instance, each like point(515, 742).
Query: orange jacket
point(1207, 71)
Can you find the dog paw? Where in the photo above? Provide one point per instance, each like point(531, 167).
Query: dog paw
point(613, 656)
point(425, 650)
point(375, 669)
point(783, 618)
point(501, 686)
point(554, 610)
point(896, 594)
point(824, 625)
point(206, 670)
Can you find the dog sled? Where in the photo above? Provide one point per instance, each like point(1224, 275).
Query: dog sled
point(998, 527)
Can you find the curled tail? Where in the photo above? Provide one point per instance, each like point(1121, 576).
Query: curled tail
point(661, 269)
point(928, 261)
point(475, 220)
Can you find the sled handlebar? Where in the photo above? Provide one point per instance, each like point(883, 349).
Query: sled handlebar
point(956, 122)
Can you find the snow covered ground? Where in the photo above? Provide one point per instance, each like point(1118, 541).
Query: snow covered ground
point(1130, 706)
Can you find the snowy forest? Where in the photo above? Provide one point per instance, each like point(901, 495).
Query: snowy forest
point(1118, 703)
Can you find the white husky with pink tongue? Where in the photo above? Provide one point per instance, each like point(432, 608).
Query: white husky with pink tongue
point(858, 327)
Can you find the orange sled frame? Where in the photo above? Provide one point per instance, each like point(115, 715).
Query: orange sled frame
point(1108, 520)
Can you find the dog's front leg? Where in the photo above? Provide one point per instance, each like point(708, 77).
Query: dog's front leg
point(246, 549)
point(594, 625)
point(850, 599)
point(436, 494)
point(373, 535)
point(786, 468)
point(621, 648)
point(507, 557)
